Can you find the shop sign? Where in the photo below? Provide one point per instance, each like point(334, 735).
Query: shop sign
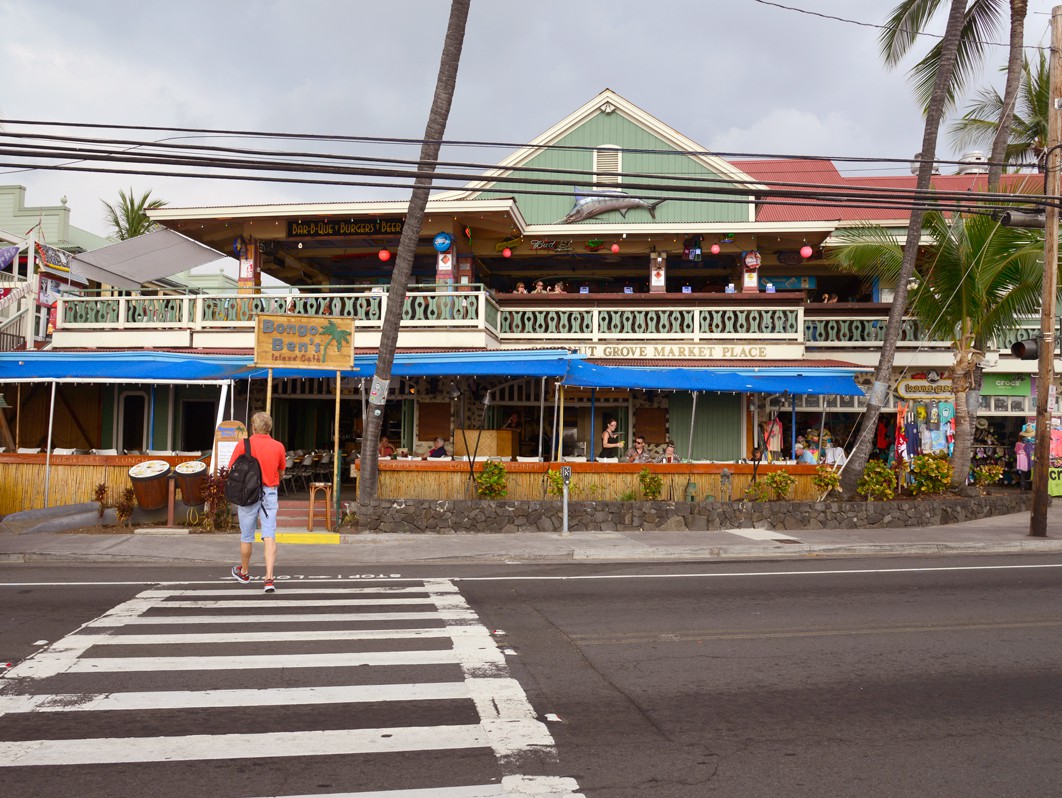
point(551, 244)
point(738, 350)
point(1007, 385)
point(344, 227)
point(1054, 482)
point(442, 242)
point(316, 342)
point(924, 388)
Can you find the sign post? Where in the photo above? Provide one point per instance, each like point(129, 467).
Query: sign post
point(307, 342)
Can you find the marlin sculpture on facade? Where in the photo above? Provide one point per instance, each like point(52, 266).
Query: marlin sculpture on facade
point(603, 201)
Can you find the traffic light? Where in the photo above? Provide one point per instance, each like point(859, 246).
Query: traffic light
point(1026, 350)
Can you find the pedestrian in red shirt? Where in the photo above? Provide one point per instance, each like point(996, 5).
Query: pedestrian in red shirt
point(271, 457)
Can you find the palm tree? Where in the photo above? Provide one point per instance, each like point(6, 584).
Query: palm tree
point(128, 217)
point(335, 335)
point(949, 56)
point(1028, 135)
point(407, 245)
point(978, 276)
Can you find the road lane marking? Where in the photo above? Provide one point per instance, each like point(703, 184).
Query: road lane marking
point(47, 664)
point(281, 600)
point(207, 699)
point(265, 746)
point(558, 578)
point(236, 620)
point(278, 636)
point(510, 787)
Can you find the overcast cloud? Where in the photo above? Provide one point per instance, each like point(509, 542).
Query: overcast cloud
point(733, 75)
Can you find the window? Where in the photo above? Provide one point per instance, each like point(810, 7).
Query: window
point(607, 165)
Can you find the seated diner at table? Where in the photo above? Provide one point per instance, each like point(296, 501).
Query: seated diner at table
point(386, 449)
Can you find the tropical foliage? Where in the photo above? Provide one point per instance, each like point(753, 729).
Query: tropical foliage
point(1028, 134)
point(878, 482)
point(128, 217)
point(978, 276)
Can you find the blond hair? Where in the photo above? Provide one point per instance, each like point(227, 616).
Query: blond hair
point(261, 423)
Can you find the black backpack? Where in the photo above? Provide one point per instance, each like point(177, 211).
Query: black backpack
point(244, 485)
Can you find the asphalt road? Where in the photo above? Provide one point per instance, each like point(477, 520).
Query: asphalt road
point(868, 678)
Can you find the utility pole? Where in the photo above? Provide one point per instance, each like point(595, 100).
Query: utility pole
point(1046, 373)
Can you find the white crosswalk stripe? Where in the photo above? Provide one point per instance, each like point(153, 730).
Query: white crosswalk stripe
point(472, 704)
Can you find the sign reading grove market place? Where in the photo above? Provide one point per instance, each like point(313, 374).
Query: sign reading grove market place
point(738, 350)
point(316, 342)
point(344, 227)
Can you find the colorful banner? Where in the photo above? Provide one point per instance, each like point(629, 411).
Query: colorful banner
point(8, 255)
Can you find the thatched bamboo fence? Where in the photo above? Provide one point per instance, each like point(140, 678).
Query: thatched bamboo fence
point(73, 478)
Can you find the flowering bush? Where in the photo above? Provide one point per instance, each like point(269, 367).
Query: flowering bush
point(930, 474)
point(652, 485)
point(758, 491)
point(492, 482)
point(878, 482)
point(826, 479)
point(780, 484)
point(987, 475)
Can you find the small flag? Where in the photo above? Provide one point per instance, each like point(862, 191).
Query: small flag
point(8, 255)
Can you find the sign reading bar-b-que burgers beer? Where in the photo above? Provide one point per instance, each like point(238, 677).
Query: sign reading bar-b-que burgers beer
point(316, 342)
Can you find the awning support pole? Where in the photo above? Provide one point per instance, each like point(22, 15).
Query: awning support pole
point(232, 399)
point(18, 418)
point(217, 423)
point(48, 455)
point(593, 424)
point(822, 426)
point(541, 416)
point(693, 415)
point(560, 430)
point(335, 456)
point(553, 437)
point(792, 426)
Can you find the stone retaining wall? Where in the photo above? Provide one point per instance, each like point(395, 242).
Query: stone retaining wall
point(449, 517)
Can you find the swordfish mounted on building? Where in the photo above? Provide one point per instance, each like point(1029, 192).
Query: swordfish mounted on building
point(605, 200)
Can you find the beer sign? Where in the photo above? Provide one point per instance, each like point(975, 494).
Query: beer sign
point(316, 342)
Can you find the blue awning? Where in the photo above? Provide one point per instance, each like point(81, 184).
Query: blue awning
point(174, 367)
point(810, 381)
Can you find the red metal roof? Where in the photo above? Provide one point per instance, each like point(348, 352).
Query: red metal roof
point(825, 173)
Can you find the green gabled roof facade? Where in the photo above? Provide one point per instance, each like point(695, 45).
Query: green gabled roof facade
point(646, 146)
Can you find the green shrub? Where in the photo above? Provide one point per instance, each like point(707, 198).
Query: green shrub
point(931, 474)
point(987, 475)
point(554, 483)
point(878, 482)
point(628, 496)
point(780, 484)
point(491, 482)
point(826, 479)
point(652, 485)
point(758, 491)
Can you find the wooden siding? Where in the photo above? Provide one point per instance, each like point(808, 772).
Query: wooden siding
point(615, 129)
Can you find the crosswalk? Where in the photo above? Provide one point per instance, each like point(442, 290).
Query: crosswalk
point(389, 690)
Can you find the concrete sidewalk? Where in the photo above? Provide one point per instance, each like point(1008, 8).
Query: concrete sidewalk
point(1003, 534)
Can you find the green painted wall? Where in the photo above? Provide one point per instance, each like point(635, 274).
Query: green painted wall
point(717, 426)
point(615, 129)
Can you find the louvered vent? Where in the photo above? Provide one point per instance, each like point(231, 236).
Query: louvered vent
point(607, 166)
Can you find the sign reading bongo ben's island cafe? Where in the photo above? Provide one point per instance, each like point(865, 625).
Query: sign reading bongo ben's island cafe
point(314, 342)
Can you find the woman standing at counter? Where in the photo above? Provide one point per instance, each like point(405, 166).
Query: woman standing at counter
point(610, 442)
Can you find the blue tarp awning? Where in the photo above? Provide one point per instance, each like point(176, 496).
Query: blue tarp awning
point(571, 369)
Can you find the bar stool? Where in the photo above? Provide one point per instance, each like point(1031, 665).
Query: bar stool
point(326, 488)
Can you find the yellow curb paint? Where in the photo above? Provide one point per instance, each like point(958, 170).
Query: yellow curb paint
point(302, 537)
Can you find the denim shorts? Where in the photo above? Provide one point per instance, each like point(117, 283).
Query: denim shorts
point(264, 511)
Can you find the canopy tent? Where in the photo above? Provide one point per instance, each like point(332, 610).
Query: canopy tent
point(571, 369)
point(153, 256)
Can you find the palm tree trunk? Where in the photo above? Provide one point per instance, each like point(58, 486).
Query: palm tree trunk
point(967, 360)
point(1018, 10)
point(883, 375)
point(407, 245)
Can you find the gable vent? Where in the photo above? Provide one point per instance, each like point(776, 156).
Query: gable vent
point(607, 166)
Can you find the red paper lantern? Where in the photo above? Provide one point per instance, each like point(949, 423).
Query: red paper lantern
point(806, 252)
point(614, 248)
point(716, 249)
point(507, 253)
point(384, 255)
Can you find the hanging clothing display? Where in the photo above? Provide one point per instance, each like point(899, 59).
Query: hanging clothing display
point(773, 437)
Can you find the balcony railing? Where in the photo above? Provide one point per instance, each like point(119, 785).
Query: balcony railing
point(522, 318)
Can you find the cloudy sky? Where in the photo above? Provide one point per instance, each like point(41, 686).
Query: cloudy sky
point(733, 75)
